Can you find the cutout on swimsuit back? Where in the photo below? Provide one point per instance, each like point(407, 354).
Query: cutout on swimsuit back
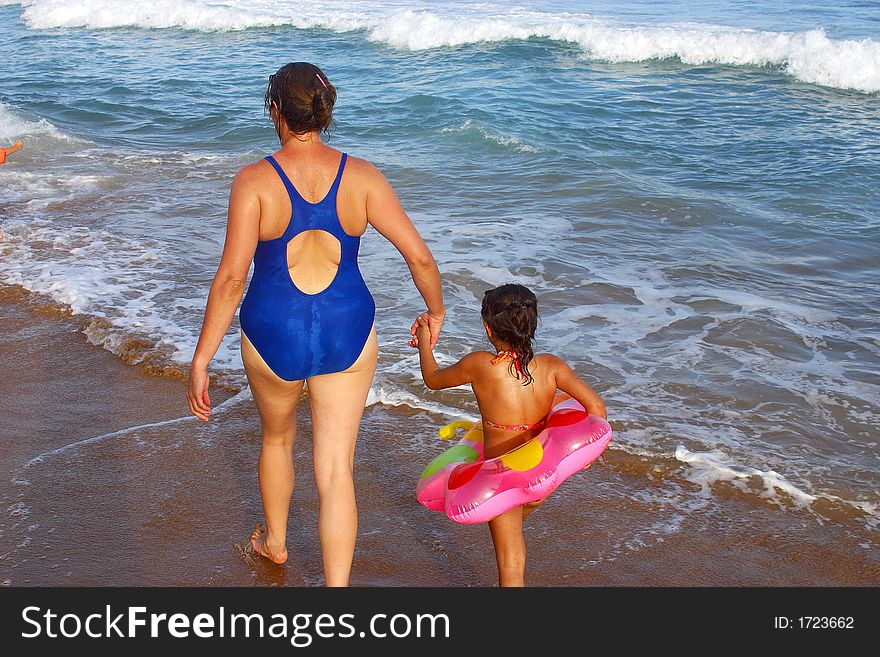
point(313, 258)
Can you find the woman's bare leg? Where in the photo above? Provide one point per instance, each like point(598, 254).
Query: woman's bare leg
point(337, 406)
point(276, 401)
point(510, 547)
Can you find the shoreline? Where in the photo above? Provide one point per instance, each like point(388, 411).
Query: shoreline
point(173, 499)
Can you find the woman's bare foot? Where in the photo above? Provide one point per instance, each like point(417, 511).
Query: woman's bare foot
point(258, 543)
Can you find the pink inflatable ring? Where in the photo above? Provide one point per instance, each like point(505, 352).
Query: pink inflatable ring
point(470, 489)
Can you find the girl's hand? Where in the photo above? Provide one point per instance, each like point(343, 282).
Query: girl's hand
point(434, 325)
point(197, 393)
point(423, 332)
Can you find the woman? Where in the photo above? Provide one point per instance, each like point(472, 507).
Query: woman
point(308, 316)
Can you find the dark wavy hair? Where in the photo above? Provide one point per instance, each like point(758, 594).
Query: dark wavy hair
point(511, 311)
point(303, 96)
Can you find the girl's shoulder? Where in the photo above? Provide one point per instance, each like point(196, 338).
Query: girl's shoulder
point(477, 357)
point(550, 361)
point(475, 364)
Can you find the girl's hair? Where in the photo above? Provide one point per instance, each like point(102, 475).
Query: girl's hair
point(303, 96)
point(511, 311)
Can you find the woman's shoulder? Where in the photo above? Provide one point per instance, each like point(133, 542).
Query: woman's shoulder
point(363, 169)
point(253, 172)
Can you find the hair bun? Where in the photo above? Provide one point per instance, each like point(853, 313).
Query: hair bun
point(303, 96)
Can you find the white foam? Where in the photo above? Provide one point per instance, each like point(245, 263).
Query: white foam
point(14, 125)
point(40, 190)
point(809, 56)
point(111, 278)
point(382, 395)
point(714, 465)
point(514, 143)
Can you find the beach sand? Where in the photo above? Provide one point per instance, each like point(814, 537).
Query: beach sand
point(106, 481)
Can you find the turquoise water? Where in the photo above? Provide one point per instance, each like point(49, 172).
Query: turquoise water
point(691, 191)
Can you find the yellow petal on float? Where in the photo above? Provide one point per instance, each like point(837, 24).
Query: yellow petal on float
point(524, 457)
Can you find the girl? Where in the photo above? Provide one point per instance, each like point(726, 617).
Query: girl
point(515, 390)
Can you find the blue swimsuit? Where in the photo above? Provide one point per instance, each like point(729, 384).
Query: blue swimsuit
point(297, 334)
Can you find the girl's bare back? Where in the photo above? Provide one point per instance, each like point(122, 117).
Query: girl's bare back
point(503, 399)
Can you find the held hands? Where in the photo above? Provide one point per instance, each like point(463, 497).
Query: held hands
point(423, 332)
point(426, 327)
point(197, 393)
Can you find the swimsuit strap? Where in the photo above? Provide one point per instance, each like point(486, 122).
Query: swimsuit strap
point(516, 358)
point(514, 427)
point(291, 190)
point(294, 193)
point(511, 355)
point(334, 188)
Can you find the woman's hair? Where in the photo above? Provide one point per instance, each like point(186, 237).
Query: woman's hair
point(511, 311)
point(303, 96)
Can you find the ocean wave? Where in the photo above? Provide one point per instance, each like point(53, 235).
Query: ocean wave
point(704, 468)
point(809, 56)
point(713, 466)
point(114, 286)
point(470, 127)
point(387, 397)
point(15, 126)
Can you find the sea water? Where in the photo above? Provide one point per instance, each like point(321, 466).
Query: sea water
point(691, 190)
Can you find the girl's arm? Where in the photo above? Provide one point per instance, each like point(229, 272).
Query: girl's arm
point(386, 215)
point(569, 382)
point(437, 378)
point(227, 288)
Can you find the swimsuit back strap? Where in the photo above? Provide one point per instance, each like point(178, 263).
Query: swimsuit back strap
point(334, 188)
point(514, 427)
point(291, 190)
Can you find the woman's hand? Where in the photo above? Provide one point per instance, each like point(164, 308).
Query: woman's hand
point(197, 393)
point(434, 324)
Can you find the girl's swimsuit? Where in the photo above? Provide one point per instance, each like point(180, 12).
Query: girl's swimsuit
point(514, 427)
point(515, 357)
point(297, 334)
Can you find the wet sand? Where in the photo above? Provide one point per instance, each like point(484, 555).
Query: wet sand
point(105, 481)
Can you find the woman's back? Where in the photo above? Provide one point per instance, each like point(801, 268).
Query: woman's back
point(307, 310)
point(311, 171)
